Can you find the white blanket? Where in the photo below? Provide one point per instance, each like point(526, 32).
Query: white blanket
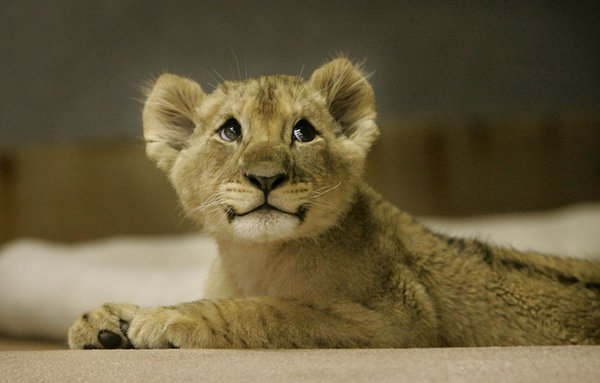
point(44, 286)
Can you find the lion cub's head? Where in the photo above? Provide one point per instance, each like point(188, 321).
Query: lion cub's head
point(266, 159)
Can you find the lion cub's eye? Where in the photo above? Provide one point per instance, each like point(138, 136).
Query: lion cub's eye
point(230, 131)
point(304, 131)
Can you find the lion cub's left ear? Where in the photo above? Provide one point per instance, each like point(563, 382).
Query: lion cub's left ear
point(350, 100)
point(170, 117)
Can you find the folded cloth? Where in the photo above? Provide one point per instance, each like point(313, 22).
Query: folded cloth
point(45, 286)
point(573, 231)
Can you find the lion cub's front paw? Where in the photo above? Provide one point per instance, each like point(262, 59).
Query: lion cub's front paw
point(127, 326)
point(104, 327)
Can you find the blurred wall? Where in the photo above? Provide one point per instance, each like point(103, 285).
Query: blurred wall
point(71, 69)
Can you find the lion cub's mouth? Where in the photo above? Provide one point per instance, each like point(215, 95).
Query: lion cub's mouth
point(266, 207)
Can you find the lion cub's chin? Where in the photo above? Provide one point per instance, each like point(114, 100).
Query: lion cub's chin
point(266, 226)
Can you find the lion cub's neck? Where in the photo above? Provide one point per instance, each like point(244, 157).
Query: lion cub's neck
point(303, 268)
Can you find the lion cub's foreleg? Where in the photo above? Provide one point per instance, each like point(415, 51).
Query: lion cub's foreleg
point(234, 323)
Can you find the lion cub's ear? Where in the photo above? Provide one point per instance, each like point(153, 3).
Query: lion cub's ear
point(350, 99)
point(170, 117)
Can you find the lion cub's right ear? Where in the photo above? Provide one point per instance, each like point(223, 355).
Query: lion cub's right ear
point(170, 117)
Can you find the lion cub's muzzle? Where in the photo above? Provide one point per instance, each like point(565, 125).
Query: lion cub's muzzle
point(266, 194)
point(266, 184)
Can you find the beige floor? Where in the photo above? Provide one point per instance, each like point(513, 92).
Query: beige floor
point(490, 365)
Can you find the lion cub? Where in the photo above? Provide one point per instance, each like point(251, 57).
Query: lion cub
point(310, 256)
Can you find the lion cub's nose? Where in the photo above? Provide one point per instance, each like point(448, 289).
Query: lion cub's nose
point(266, 184)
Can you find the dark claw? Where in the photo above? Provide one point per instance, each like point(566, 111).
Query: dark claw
point(109, 339)
point(124, 326)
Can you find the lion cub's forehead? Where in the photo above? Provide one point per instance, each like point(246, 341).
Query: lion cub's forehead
point(264, 87)
point(266, 97)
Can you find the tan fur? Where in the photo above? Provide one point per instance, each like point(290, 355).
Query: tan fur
point(336, 265)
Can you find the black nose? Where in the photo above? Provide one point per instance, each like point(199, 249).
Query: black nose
point(266, 184)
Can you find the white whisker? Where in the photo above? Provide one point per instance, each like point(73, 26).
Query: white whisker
point(218, 74)
point(212, 201)
point(301, 71)
point(237, 63)
point(317, 193)
point(215, 81)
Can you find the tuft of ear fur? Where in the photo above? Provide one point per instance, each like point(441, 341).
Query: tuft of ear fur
point(170, 117)
point(350, 99)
